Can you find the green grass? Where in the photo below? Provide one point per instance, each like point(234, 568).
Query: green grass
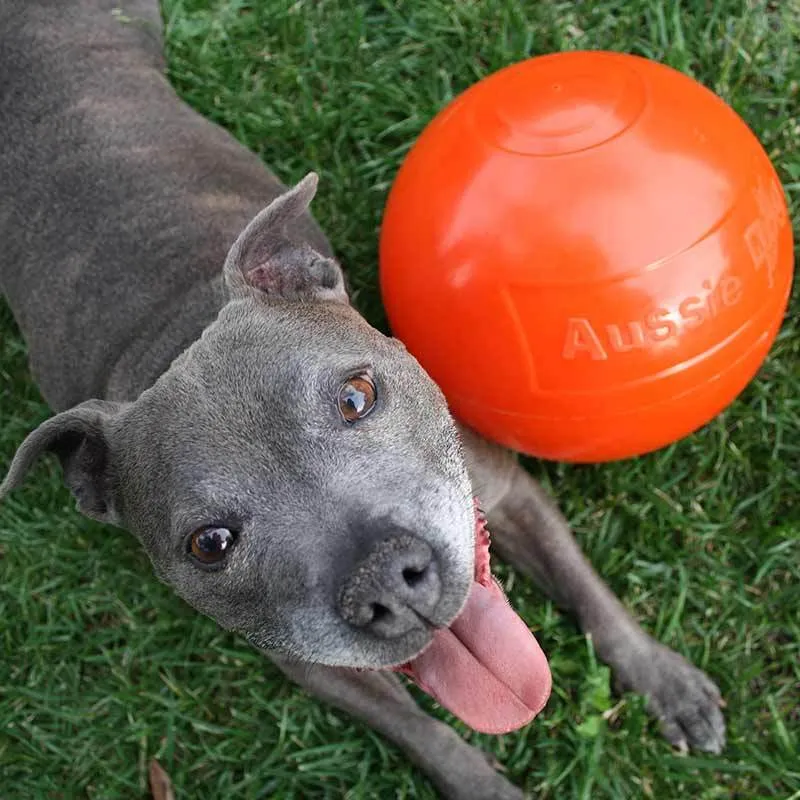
point(103, 668)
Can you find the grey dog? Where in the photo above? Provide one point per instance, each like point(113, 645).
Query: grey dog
point(290, 471)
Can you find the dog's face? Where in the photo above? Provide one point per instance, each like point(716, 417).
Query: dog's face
point(295, 475)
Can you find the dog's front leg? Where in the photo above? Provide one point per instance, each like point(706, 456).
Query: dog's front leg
point(457, 769)
point(529, 532)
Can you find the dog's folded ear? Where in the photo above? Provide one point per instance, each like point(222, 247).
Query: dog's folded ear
point(79, 437)
point(266, 261)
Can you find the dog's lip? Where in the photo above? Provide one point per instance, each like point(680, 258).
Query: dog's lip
point(430, 628)
point(445, 617)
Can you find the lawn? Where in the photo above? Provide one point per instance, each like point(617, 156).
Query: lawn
point(103, 668)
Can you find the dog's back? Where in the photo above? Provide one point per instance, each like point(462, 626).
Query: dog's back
point(87, 179)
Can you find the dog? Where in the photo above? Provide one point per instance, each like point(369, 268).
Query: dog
point(291, 472)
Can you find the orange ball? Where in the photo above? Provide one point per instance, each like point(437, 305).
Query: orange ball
point(590, 253)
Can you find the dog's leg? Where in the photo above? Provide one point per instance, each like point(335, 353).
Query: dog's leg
point(529, 532)
point(457, 769)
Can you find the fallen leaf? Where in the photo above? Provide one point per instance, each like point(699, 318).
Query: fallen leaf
point(160, 784)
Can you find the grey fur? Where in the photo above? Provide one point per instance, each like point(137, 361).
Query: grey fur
point(219, 394)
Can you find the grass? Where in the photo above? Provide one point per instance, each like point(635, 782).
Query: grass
point(104, 668)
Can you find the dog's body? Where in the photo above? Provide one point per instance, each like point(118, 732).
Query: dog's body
point(120, 205)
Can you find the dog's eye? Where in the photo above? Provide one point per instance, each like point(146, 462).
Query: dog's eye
point(357, 398)
point(211, 545)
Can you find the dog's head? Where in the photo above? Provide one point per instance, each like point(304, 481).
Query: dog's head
point(295, 474)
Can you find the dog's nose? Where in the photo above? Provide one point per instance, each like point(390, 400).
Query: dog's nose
point(395, 585)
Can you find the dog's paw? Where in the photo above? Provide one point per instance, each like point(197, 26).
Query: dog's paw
point(684, 699)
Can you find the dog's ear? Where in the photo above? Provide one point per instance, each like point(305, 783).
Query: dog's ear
point(79, 437)
point(264, 259)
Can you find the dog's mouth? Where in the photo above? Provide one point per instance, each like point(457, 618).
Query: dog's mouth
point(486, 667)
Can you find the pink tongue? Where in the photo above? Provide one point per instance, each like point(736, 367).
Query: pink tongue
point(486, 668)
